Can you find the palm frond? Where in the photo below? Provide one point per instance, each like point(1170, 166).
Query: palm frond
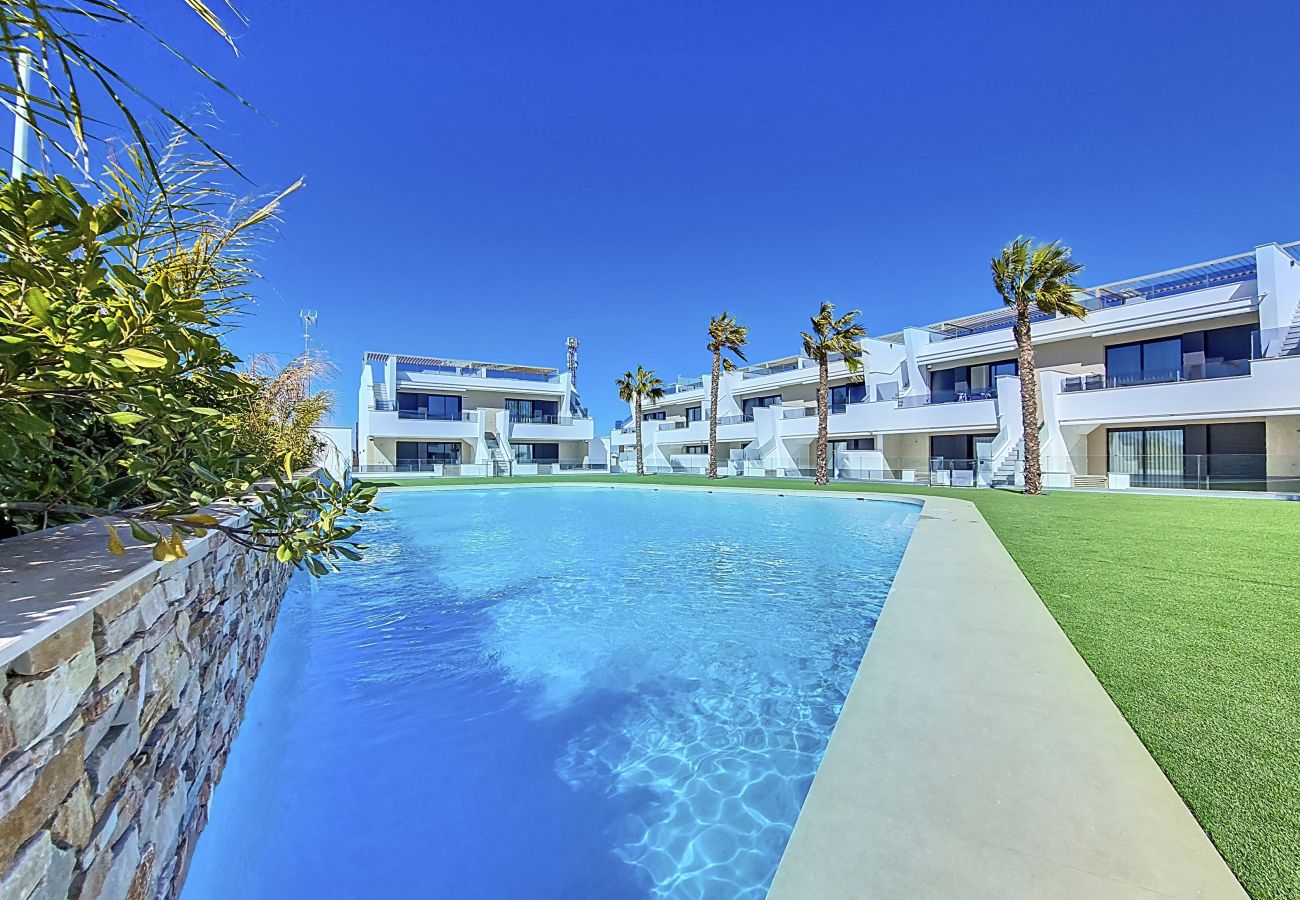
point(47, 34)
point(831, 336)
point(642, 383)
point(1040, 276)
point(726, 335)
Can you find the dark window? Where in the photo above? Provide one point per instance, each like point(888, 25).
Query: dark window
point(540, 411)
point(1123, 362)
point(1230, 343)
point(976, 382)
point(417, 453)
point(694, 413)
point(445, 407)
point(844, 394)
point(1216, 353)
point(960, 451)
point(656, 416)
point(866, 443)
point(1237, 456)
point(1228, 456)
point(750, 404)
point(951, 446)
point(537, 453)
point(943, 386)
point(696, 449)
point(442, 452)
point(1161, 359)
point(1144, 362)
point(1006, 367)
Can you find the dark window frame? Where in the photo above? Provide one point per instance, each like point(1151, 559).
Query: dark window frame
point(749, 404)
point(531, 456)
point(961, 379)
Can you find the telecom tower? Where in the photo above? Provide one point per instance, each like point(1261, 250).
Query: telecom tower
point(571, 344)
point(575, 404)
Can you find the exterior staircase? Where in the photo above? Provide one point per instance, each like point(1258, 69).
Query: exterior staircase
point(1009, 465)
point(381, 397)
point(498, 459)
point(1291, 343)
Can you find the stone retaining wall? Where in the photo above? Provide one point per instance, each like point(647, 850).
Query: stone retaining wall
point(117, 715)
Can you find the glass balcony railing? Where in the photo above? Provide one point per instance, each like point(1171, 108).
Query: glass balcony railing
point(470, 416)
point(542, 420)
point(760, 371)
point(538, 376)
point(1219, 368)
point(946, 397)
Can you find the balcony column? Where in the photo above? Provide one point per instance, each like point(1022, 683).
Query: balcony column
point(1011, 421)
point(1058, 465)
point(390, 380)
point(727, 405)
point(1278, 282)
point(915, 384)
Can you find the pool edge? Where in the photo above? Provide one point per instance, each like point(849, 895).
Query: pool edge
point(976, 754)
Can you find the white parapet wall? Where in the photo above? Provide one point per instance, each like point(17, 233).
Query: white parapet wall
point(335, 455)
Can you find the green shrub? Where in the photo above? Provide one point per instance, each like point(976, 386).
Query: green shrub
point(116, 390)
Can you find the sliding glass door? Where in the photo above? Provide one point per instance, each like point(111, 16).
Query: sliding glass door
point(1152, 457)
point(536, 411)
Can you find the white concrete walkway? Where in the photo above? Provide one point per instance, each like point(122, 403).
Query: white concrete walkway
point(978, 757)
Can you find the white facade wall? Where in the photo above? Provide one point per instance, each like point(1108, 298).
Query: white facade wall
point(335, 456)
point(489, 437)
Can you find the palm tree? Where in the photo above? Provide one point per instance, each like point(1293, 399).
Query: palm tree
point(831, 336)
point(633, 387)
point(1034, 277)
point(725, 334)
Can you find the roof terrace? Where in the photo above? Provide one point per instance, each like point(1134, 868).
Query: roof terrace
point(1185, 279)
point(464, 368)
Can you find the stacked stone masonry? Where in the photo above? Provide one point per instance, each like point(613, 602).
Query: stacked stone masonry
point(114, 729)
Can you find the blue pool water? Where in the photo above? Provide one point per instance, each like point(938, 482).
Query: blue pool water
point(571, 692)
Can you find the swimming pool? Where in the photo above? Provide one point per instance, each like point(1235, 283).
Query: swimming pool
point(559, 692)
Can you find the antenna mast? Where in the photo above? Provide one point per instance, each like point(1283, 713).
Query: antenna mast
point(22, 114)
point(309, 317)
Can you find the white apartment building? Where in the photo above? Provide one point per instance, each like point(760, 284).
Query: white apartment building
point(1184, 378)
point(437, 416)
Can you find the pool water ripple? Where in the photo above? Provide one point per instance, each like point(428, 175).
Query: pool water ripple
point(552, 693)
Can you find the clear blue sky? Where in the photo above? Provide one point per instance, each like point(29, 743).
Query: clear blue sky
point(485, 178)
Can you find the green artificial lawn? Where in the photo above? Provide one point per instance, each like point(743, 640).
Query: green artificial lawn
point(1188, 611)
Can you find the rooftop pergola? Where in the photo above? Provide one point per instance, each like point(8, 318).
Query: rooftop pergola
point(443, 362)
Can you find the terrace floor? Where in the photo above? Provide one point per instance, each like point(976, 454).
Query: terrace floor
point(1187, 609)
